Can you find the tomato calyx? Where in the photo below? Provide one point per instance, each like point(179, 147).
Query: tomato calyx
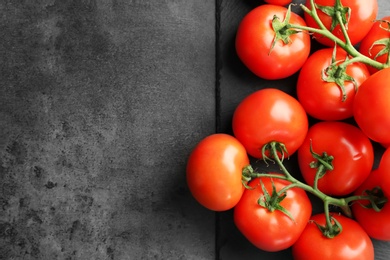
point(376, 199)
point(337, 73)
point(274, 149)
point(322, 163)
point(331, 229)
point(339, 13)
point(272, 201)
point(384, 41)
point(282, 29)
point(247, 175)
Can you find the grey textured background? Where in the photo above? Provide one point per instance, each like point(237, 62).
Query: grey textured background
point(101, 103)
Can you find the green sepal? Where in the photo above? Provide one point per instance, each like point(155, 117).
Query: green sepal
point(268, 148)
point(272, 201)
point(332, 231)
point(385, 50)
point(338, 74)
point(322, 162)
point(345, 13)
point(376, 199)
point(246, 176)
point(282, 29)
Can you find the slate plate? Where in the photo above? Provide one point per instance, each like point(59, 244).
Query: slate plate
point(235, 83)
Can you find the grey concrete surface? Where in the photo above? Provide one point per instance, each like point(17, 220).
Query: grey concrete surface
point(101, 103)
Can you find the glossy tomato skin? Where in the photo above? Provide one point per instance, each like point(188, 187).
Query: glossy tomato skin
point(214, 171)
point(384, 162)
point(254, 39)
point(371, 107)
point(323, 100)
point(379, 30)
point(272, 231)
point(269, 115)
point(278, 2)
point(363, 13)
point(351, 244)
point(352, 151)
point(376, 224)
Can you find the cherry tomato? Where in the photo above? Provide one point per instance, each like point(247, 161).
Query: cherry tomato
point(362, 15)
point(269, 115)
point(371, 107)
point(376, 224)
point(352, 243)
point(352, 151)
point(272, 231)
point(379, 31)
point(214, 171)
point(278, 2)
point(324, 100)
point(254, 39)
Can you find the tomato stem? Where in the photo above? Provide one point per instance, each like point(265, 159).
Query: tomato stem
point(347, 46)
point(330, 230)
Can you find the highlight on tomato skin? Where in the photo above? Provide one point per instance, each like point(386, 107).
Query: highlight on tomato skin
point(268, 115)
point(214, 171)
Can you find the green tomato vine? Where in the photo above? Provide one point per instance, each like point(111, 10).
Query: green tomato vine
point(276, 154)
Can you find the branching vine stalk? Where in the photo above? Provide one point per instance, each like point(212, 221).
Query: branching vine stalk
point(342, 203)
point(346, 45)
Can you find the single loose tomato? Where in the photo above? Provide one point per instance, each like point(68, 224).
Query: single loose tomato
point(214, 171)
point(278, 2)
point(255, 37)
point(374, 44)
point(272, 230)
point(371, 106)
point(269, 115)
point(376, 224)
point(360, 19)
point(319, 86)
point(352, 153)
point(352, 243)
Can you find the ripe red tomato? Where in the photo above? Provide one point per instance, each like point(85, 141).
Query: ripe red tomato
point(376, 224)
point(352, 151)
point(371, 107)
point(324, 100)
point(254, 39)
point(363, 13)
point(278, 2)
point(384, 162)
point(351, 244)
point(269, 115)
point(214, 171)
point(272, 231)
point(379, 31)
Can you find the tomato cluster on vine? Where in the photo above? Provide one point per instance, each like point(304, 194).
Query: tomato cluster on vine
point(346, 91)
